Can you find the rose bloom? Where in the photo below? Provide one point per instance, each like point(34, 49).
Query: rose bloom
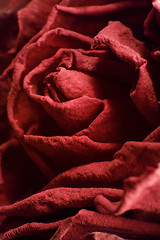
point(80, 108)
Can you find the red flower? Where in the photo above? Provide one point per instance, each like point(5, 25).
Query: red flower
point(84, 85)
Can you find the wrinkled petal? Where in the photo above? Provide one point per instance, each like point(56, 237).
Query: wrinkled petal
point(78, 16)
point(77, 150)
point(132, 51)
point(140, 193)
point(31, 229)
point(85, 221)
point(32, 18)
point(51, 200)
point(130, 160)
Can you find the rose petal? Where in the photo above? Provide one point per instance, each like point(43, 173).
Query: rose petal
point(87, 221)
point(130, 50)
point(50, 200)
point(71, 84)
point(32, 18)
point(99, 15)
point(100, 63)
point(119, 121)
point(77, 113)
point(145, 98)
point(140, 193)
point(65, 152)
point(63, 38)
point(32, 228)
point(120, 40)
point(130, 160)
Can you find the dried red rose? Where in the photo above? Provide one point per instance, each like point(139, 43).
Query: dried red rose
point(83, 110)
point(56, 83)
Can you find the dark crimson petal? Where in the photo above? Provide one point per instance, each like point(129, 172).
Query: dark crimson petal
point(145, 97)
point(63, 38)
point(50, 200)
point(38, 228)
point(108, 9)
point(116, 123)
point(30, 229)
point(130, 160)
point(77, 113)
point(134, 52)
point(121, 41)
point(99, 63)
point(32, 18)
point(71, 84)
point(88, 221)
point(91, 19)
point(65, 152)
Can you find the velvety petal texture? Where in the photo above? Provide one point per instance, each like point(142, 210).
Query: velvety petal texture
point(79, 120)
